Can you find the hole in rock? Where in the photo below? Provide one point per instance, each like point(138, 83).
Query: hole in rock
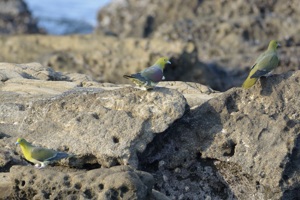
point(124, 189)
point(66, 178)
point(23, 183)
point(95, 115)
point(115, 139)
point(291, 123)
point(229, 148)
point(88, 193)
point(112, 194)
point(77, 186)
point(90, 166)
point(46, 194)
point(101, 186)
point(67, 183)
point(90, 162)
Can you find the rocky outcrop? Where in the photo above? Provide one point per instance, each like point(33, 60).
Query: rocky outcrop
point(69, 112)
point(15, 18)
point(233, 145)
point(249, 138)
point(126, 119)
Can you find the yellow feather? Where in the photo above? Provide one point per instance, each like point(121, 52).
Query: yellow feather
point(249, 82)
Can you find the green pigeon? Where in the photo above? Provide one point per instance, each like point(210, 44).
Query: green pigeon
point(149, 78)
point(38, 155)
point(263, 65)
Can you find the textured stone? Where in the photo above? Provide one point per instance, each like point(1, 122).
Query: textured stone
point(247, 141)
point(120, 182)
point(240, 144)
point(104, 127)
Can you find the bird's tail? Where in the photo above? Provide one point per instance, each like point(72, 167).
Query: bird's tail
point(249, 82)
point(127, 76)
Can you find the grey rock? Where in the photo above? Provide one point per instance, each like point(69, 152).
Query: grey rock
point(105, 127)
point(195, 93)
point(15, 18)
point(121, 182)
point(246, 142)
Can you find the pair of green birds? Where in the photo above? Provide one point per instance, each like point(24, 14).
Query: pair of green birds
point(263, 66)
point(147, 79)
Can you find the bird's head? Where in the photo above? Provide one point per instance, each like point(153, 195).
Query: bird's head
point(162, 62)
point(21, 141)
point(273, 45)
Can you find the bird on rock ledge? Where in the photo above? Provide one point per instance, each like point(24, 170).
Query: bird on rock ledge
point(149, 78)
point(263, 65)
point(38, 155)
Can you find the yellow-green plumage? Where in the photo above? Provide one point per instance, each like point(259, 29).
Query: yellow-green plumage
point(38, 155)
point(149, 77)
point(264, 64)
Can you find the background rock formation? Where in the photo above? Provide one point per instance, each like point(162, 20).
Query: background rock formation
point(183, 140)
point(15, 18)
point(228, 33)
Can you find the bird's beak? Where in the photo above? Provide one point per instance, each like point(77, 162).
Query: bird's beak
point(168, 62)
point(278, 45)
point(17, 143)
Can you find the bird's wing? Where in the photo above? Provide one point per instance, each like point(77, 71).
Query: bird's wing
point(59, 155)
point(261, 56)
point(42, 154)
point(266, 64)
point(153, 73)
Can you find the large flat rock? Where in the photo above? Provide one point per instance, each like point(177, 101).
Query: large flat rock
point(106, 127)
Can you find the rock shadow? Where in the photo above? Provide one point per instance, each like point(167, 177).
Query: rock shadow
point(291, 173)
point(268, 84)
point(174, 157)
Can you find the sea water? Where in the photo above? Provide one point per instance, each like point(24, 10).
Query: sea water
point(61, 17)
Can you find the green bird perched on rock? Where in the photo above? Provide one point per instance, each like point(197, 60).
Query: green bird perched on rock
point(263, 65)
point(38, 155)
point(149, 78)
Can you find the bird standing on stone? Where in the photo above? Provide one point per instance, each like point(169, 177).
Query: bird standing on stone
point(263, 65)
point(149, 78)
point(38, 155)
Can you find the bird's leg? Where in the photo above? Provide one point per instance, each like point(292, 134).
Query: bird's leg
point(41, 165)
point(38, 165)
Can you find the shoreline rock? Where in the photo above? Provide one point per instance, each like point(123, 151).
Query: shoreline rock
point(236, 144)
